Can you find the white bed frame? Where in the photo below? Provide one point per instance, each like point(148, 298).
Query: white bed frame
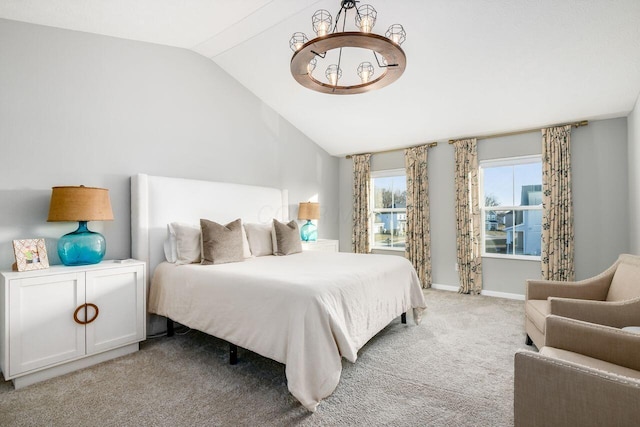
point(157, 201)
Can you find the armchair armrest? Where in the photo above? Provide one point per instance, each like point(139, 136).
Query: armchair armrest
point(550, 391)
point(593, 288)
point(597, 341)
point(611, 313)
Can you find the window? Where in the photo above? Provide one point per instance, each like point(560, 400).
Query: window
point(511, 207)
point(388, 209)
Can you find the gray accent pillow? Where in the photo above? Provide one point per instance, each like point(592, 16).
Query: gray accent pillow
point(221, 243)
point(286, 238)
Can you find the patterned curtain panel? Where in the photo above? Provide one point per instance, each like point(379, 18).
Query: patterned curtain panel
point(418, 239)
point(468, 216)
point(557, 205)
point(361, 185)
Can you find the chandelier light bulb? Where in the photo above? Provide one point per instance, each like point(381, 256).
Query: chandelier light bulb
point(365, 71)
point(333, 74)
point(321, 21)
point(396, 34)
point(312, 65)
point(366, 18)
point(297, 41)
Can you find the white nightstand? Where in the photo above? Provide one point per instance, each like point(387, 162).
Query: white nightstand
point(60, 319)
point(325, 245)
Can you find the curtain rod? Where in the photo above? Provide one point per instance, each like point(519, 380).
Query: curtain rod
point(495, 135)
point(518, 132)
point(433, 144)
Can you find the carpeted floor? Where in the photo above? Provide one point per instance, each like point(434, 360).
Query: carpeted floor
point(455, 369)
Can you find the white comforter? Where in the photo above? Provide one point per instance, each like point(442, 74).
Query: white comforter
point(305, 310)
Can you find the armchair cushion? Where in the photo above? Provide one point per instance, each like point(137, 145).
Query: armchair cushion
point(626, 280)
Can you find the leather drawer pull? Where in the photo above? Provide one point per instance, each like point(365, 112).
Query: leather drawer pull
point(85, 305)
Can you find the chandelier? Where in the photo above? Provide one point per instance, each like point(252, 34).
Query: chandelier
point(387, 63)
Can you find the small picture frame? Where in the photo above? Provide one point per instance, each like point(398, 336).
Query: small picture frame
point(31, 254)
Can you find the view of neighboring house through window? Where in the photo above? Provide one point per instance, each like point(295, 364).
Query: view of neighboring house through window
point(388, 209)
point(511, 207)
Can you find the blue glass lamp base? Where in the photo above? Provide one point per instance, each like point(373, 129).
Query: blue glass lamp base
point(309, 232)
point(82, 247)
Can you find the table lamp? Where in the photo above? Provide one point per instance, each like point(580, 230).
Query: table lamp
point(82, 204)
point(309, 211)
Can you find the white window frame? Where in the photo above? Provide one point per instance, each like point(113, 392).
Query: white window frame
point(372, 210)
point(508, 161)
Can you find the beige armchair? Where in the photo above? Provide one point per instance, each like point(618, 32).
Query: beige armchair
point(611, 298)
point(585, 375)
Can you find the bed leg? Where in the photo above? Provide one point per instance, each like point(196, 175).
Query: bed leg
point(403, 317)
point(233, 354)
point(170, 330)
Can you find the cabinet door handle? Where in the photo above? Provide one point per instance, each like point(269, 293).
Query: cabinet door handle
point(95, 316)
point(86, 321)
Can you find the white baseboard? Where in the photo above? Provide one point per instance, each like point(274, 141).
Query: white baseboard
point(445, 287)
point(486, 292)
point(502, 295)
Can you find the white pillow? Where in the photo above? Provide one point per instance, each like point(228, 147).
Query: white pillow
point(187, 242)
point(246, 250)
point(170, 252)
point(259, 236)
point(188, 250)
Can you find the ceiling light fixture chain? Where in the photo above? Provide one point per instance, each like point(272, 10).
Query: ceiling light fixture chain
point(345, 5)
point(307, 52)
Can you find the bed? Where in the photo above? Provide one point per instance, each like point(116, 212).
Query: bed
point(306, 310)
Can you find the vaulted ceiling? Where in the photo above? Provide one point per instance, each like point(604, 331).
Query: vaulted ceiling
point(474, 67)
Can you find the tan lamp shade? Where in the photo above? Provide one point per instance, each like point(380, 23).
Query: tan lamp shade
point(309, 210)
point(80, 204)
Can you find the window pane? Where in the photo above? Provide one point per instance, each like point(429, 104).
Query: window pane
point(527, 236)
point(388, 225)
point(399, 231)
point(390, 192)
point(498, 186)
point(389, 229)
point(528, 184)
point(510, 184)
point(495, 235)
point(523, 232)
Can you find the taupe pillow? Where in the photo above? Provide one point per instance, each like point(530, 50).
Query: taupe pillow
point(286, 238)
point(221, 243)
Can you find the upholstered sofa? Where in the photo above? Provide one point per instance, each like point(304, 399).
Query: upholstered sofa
point(611, 298)
point(585, 375)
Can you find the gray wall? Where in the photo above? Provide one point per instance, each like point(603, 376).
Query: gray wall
point(600, 187)
point(77, 108)
point(634, 178)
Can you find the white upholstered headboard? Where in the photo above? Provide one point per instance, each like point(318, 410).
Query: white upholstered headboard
point(157, 201)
